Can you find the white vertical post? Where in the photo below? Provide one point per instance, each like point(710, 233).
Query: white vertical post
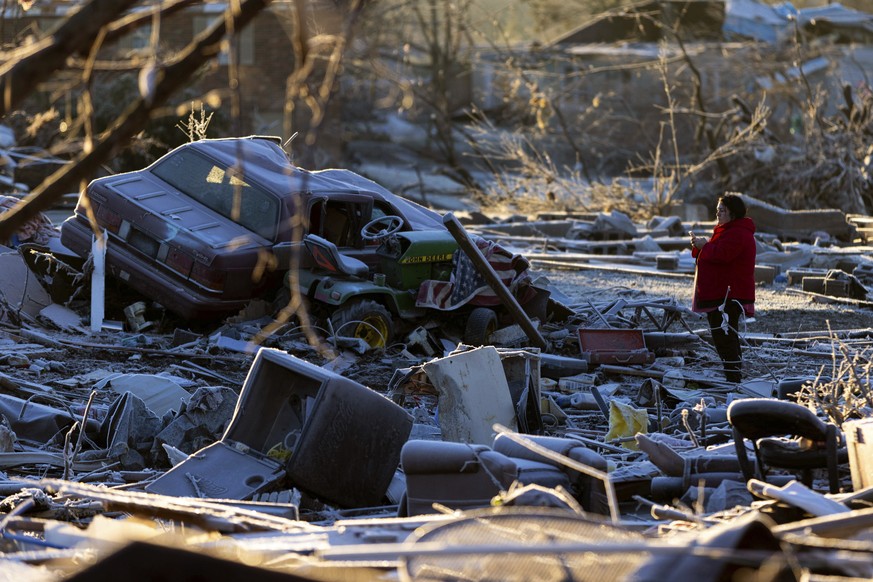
point(98, 281)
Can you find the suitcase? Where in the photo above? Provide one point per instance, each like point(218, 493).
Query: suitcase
point(614, 346)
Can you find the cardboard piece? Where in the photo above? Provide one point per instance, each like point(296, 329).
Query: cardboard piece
point(474, 394)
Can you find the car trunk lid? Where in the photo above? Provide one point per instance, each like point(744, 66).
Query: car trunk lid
point(176, 212)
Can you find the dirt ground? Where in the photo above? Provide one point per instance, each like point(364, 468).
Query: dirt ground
point(788, 337)
point(779, 308)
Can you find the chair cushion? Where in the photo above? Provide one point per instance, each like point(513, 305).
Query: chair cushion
point(588, 491)
point(426, 456)
point(763, 417)
point(456, 475)
point(796, 453)
point(327, 256)
point(568, 447)
point(533, 472)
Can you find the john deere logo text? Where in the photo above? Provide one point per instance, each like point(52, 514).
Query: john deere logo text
point(426, 259)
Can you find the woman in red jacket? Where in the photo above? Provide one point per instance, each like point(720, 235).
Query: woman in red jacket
point(724, 283)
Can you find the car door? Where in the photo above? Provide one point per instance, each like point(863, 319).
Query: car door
point(339, 218)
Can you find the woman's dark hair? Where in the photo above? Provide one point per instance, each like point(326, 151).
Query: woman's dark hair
point(734, 204)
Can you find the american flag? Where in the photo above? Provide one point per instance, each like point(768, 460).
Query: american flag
point(466, 284)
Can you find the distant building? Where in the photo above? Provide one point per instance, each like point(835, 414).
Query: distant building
point(751, 19)
point(783, 23)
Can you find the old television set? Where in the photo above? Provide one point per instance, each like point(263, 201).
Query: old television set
point(297, 424)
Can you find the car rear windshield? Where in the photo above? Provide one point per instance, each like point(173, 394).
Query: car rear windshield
point(222, 189)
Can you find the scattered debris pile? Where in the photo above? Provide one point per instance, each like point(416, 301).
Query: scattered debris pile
point(308, 473)
point(583, 441)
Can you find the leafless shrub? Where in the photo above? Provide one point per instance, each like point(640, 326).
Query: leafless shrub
point(524, 175)
point(742, 144)
point(671, 172)
point(825, 159)
point(194, 127)
point(847, 394)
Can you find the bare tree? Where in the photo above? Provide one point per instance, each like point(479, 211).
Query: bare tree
point(423, 50)
point(26, 67)
point(699, 135)
point(164, 80)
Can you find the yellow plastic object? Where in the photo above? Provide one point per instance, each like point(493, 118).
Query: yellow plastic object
point(279, 453)
point(626, 421)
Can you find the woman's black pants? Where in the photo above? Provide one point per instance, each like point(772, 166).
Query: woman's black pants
point(727, 343)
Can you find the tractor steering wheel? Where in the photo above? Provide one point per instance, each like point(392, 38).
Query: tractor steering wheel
point(381, 227)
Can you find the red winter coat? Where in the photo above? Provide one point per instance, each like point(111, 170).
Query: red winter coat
point(727, 260)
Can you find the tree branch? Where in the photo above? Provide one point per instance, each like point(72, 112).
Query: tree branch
point(169, 79)
point(135, 20)
point(23, 72)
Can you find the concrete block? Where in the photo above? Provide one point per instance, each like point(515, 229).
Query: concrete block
point(765, 274)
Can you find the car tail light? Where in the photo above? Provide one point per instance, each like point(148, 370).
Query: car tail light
point(178, 261)
point(108, 219)
point(207, 276)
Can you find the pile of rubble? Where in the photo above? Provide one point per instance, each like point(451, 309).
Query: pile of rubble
point(611, 450)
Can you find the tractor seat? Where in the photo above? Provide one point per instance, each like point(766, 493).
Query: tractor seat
point(328, 258)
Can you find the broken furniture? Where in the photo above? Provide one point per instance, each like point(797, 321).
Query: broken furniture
point(588, 491)
point(815, 443)
point(327, 435)
point(696, 470)
point(835, 283)
point(522, 371)
point(457, 475)
point(466, 476)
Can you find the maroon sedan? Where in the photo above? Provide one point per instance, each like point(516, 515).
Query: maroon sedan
point(210, 225)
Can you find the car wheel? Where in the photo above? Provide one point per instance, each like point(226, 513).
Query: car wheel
point(366, 320)
point(480, 325)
